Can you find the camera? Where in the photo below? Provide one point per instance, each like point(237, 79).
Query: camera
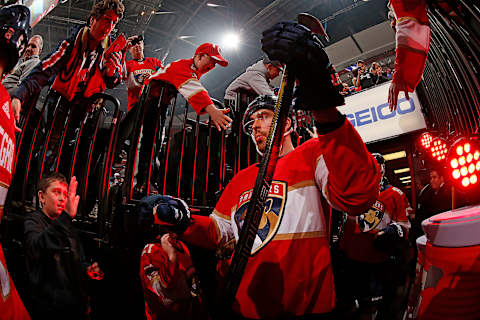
point(137, 40)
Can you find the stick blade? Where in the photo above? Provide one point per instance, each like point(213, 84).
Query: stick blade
point(312, 23)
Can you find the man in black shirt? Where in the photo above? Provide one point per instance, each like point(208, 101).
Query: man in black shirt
point(55, 258)
point(435, 197)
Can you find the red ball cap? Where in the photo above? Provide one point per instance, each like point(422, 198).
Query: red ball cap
point(213, 51)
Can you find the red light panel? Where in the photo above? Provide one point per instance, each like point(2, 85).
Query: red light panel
point(463, 160)
point(439, 149)
point(426, 140)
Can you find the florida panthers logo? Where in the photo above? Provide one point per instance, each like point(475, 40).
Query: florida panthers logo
point(369, 220)
point(141, 75)
point(272, 214)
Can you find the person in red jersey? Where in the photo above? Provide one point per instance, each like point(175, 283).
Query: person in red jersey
point(185, 76)
point(80, 69)
point(14, 25)
point(138, 69)
point(170, 285)
point(369, 242)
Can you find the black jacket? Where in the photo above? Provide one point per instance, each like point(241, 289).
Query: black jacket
point(56, 266)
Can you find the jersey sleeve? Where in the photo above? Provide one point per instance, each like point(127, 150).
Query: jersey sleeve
point(43, 71)
point(346, 172)
point(413, 41)
point(180, 75)
point(215, 230)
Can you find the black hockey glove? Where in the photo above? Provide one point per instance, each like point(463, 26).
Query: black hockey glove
point(166, 211)
point(389, 238)
point(295, 45)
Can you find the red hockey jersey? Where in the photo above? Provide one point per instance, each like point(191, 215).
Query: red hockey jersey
point(137, 72)
point(289, 272)
point(186, 78)
point(11, 307)
point(171, 290)
point(392, 206)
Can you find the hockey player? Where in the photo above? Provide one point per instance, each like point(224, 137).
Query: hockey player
point(369, 240)
point(14, 22)
point(185, 76)
point(289, 271)
point(413, 41)
point(170, 285)
point(80, 69)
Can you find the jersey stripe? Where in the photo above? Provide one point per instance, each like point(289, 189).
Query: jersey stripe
point(55, 56)
point(190, 88)
point(301, 235)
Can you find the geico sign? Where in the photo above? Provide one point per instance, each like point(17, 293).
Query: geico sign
point(380, 113)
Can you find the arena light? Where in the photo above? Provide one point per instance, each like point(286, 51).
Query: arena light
point(464, 162)
point(403, 170)
point(406, 178)
point(395, 155)
point(230, 41)
point(438, 149)
point(425, 140)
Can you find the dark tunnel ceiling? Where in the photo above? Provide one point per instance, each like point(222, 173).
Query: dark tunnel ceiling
point(204, 23)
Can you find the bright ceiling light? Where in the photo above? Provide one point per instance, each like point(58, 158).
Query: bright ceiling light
point(406, 181)
point(403, 170)
point(395, 155)
point(214, 5)
point(230, 41)
point(406, 178)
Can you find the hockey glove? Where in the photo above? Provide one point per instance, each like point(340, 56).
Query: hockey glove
point(166, 211)
point(389, 238)
point(302, 51)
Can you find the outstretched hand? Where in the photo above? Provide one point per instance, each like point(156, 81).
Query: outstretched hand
point(393, 92)
point(72, 198)
point(219, 117)
point(16, 108)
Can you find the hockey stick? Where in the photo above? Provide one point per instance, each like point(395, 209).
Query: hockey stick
point(261, 188)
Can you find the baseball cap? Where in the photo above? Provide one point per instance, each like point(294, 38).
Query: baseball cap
point(213, 51)
point(274, 63)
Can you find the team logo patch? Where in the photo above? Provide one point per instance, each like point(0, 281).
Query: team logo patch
point(369, 220)
point(271, 217)
point(142, 75)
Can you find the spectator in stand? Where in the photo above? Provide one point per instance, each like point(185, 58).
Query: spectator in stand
point(388, 73)
point(255, 79)
point(346, 90)
point(377, 72)
point(29, 60)
point(362, 79)
point(56, 262)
